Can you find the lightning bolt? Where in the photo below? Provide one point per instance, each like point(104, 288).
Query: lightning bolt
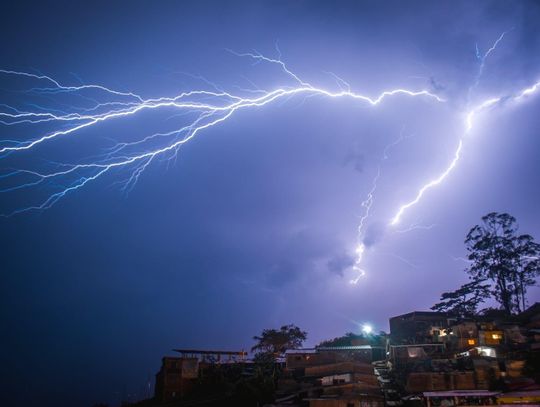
point(415, 226)
point(366, 205)
point(482, 59)
point(368, 202)
point(361, 248)
point(200, 111)
point(400, 258)
point(468, 126)
point(209, 108)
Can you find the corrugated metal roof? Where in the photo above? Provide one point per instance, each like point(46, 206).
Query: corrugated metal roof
point(461, 393)
point(520, 394)
point(357, 347)
point(331, 348)
point(300, 351)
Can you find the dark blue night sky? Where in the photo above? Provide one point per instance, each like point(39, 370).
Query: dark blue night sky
point(254, 223)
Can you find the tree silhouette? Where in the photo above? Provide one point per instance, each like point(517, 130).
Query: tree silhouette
point(498, 255)
point(465, 300)
point(504, 264)
point(275, 342)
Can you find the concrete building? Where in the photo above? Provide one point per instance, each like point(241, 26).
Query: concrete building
point(178, 375)
point(419, 327)
point(175, 378)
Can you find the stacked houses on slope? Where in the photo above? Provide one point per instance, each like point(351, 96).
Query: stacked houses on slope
point(333, 376)
point(430, 359)
point(438, 357)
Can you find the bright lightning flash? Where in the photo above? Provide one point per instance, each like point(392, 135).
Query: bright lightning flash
point(208, 108)
point(137, 155)
point(200, 111)
point(468, 126)
point(366, 205)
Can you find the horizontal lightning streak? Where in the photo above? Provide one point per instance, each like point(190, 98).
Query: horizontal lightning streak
point(221, 108)
point(415, 227)
point(210, 109)
point(241, 103)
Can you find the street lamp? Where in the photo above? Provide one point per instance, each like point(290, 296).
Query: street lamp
point(367, 329)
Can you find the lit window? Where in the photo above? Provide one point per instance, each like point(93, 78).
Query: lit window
point(484, 351)
point(496, 336)
point(471, 341)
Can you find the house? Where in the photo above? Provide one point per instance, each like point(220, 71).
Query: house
point(175, 378)
point(419, 327)
point(297, 359)
point(178, 375)
point(347, 401)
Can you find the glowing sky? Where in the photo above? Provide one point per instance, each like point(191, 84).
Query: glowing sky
point(255, 222)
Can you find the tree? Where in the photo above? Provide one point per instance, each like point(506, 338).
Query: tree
point(271, 344)
point(510, 262)
point(525, 271)
point(351, 339)
point(275, 342)
point(465, 300)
